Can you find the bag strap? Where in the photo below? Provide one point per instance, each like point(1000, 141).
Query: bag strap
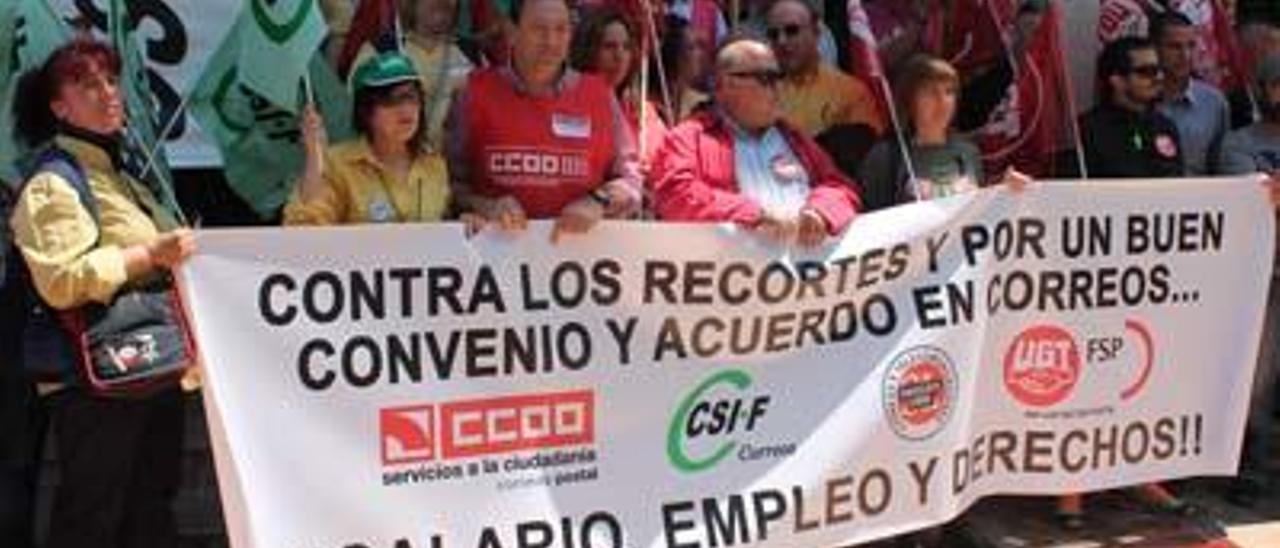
point(59, 162)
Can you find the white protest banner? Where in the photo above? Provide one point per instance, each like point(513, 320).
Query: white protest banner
point(687, 386)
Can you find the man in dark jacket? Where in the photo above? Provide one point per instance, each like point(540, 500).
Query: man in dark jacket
point(1124, 136)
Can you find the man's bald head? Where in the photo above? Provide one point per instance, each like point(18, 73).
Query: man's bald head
point(743, 52)
point(746, 85)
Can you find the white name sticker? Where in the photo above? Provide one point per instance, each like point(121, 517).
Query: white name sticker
point(570, 126)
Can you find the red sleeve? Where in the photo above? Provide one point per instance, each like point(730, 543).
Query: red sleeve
point(831, 193)
point(681, 192)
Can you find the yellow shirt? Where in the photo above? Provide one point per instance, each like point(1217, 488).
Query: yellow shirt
point(829, 98)
point(74, 261)
point(358, 189)
point(437, 94)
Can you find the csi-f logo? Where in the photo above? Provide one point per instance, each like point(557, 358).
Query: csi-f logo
point(706, 425)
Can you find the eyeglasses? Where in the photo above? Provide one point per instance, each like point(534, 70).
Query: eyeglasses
point(765, 77)
point(406, 97)
point(776, 33)
point(1147, 71)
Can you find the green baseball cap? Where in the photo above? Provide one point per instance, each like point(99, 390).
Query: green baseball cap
point(384, 69)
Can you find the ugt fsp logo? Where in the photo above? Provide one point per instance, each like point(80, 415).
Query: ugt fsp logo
point(706, 426)
point(1042, 366)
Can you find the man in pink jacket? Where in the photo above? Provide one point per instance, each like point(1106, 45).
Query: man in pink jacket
point(739, 161)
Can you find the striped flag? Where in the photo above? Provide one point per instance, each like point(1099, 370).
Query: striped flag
point(1217, 59)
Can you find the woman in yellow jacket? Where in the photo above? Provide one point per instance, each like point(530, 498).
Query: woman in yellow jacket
point(387, 175)
point(118, 459)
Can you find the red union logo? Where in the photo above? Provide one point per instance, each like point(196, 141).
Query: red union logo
point(548, 163)
point(513, 423)
point(1042, 366)
point(408, 434)
point(920, 391)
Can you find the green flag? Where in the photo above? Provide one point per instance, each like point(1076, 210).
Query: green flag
point(278, 40)
point(29, 32)
point(143, 142)
point(260, 142)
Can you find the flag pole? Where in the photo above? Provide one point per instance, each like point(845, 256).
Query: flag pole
point(655, 45)
point(178, 113)
point(644, 111)
point(400, 33)
point(899, 134)
point(308, 89)
point(1083, 166)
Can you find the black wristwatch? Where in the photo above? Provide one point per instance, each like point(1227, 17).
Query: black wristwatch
point(601, 196)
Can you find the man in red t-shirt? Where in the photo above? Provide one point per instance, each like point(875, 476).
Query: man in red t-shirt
point(537, 140)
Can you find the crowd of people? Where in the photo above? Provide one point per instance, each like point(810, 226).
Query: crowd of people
point(576, 112)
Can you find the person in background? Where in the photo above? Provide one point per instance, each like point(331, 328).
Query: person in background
point(1257, 40)
point(607, 46)
point(492, 30)
point(22, 417)
point(706, 20)
point(429, 41)
point(943, 162)
point(682, 56)
point(816, 96)
point(742, 162)
point(571, 119)
point(1256, 149)
point(1197, 109)
point(118, 459)
point(755, 24)
point(337, 14)
point(899, 28)
point(1124, 136)
point(386, 175)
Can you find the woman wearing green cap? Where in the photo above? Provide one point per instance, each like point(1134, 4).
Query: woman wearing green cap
point(386, 175)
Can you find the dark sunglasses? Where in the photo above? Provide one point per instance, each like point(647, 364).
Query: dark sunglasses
point(765, 77)
point(1147, 71)
point(395, 99)
point(775, 33)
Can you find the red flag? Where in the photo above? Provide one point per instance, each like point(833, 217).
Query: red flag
point(1029, 129)
point(862, 42)
point(863, 50)
point(1229, 51)
point(493, 29)
point(967, 32)
point(1217, 59)
point(372, 19)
